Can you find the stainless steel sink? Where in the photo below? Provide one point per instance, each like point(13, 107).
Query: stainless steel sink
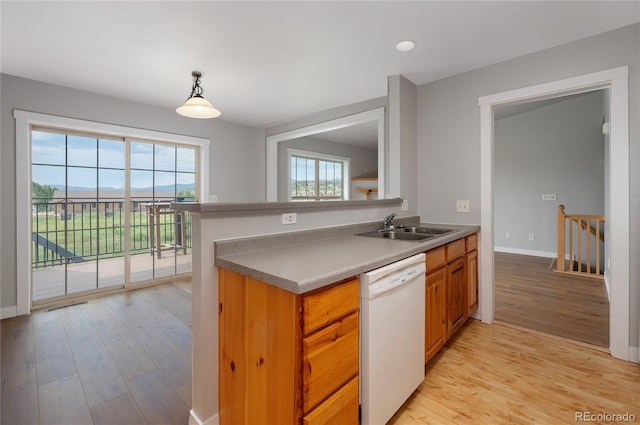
point(408, 233)
point(424, 230)
point(398, 234)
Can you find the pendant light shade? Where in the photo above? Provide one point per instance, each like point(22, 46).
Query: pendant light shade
point(197, 106)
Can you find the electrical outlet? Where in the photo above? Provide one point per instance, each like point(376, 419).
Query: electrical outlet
point(213, 198)
point(507, 235)
point(462, 206)
point(532, 237)
point(405, 205)
point(289, 218)
point(549, 197)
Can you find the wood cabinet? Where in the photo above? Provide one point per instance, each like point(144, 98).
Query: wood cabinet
point(456, 295)
point(472, 281)
point(287, 358)
point(451, 290)
point(435, 312)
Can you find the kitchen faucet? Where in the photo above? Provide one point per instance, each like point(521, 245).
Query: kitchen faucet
point(388, 222)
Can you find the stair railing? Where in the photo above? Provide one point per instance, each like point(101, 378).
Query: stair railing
point(580, 227)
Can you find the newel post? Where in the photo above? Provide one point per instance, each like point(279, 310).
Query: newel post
point(561, 220)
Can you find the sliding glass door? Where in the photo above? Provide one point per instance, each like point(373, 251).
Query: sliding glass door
point(101, 215)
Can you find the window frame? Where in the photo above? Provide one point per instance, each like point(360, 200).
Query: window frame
point(346, 176)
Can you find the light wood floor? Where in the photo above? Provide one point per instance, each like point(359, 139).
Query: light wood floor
point(120, 359)
point(531, 295)
point(126, 359)
point(496, 374)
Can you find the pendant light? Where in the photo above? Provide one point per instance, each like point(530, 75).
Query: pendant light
point(197, 106)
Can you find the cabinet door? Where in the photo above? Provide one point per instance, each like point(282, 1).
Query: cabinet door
point(472, 281)
point(435, 317)
point(456, 295)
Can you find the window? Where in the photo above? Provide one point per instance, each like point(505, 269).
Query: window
point(316, 177)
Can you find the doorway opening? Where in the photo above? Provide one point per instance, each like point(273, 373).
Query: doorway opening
point(549, 155)
point(617, 257)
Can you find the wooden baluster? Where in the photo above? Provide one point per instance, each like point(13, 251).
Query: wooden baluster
point(598, 247)
point(571, 257)
point(579, 245)
point(561, 237)
point(588, 236)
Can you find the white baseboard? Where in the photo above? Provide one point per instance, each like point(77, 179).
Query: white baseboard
point(195, 420)
point(531, 252)
point(634, 354)
point(7, 312)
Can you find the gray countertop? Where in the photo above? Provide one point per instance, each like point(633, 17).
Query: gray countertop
point(310, 264)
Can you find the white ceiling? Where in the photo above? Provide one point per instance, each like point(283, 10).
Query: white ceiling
point(264, 62)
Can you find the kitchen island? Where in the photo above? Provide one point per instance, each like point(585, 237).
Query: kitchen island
point(248, 242)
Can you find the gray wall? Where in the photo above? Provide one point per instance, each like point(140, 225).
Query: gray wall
point(449, 129)
point(555, 148)
point(362, 160)
point(237, 153)
point(401, 143)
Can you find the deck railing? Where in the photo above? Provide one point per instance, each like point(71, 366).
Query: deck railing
point(586, 237)
point(82, 231)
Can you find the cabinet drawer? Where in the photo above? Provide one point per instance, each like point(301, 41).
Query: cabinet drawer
point(339, 409)
point(472, 242)
point(454, 250)
point(330, 359)
point(435, 259)
point(326, 307)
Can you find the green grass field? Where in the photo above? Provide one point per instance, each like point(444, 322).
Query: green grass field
point(96, 234)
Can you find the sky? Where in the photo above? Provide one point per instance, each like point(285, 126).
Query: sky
point(94, 161)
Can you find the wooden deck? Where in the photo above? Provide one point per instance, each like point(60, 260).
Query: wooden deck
point(49, 282)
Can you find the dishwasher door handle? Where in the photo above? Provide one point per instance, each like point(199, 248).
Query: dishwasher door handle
point(393, 280)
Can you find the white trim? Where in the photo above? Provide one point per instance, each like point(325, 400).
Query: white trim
point(617, 80)
point(7, 312)
point(24, 121)
point(634, 354)
point(485, 254)
point(195, 420)
point(362, 117)
point(530, 252)
point(346, 168)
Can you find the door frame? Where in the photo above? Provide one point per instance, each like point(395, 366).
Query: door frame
point(616, 80)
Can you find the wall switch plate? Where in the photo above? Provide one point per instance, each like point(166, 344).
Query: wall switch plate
point(462, 206)
point(532, 237)
point(405, 205)
point(289, 218)
point(548, 196)
point(213, 198)
point(507, 235)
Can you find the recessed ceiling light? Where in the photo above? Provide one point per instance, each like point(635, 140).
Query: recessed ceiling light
point(405, 46)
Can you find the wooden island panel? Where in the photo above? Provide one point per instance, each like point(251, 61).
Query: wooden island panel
point(270, 371)
point(259, 339)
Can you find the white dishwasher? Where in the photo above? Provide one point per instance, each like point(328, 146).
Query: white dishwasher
point(392, 311)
